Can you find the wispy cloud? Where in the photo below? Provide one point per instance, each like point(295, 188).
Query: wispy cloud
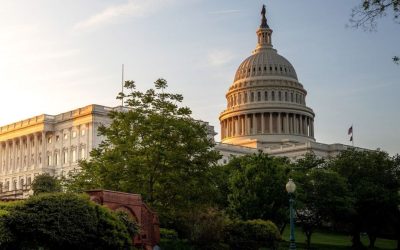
point(220, 57)
point(116, 13)
point(222, 12)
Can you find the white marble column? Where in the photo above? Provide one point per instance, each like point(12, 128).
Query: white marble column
point(43, 149)
point(301, 124)
point(270, 123)
point(254, 124)
point(262, 123)
point(279, 123)
point(312, 128)
point(6, 156)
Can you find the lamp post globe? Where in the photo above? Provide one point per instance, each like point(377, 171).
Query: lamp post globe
point(290, 188)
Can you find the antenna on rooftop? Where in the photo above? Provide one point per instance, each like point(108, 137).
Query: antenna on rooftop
point(122, 89)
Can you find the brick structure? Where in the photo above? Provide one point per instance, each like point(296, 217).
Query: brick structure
point(134, 206)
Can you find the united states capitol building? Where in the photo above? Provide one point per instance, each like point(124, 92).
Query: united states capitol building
point(266, 111)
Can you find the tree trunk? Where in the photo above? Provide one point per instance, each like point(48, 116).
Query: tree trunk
point(356, 240)
point(283, 228)
point(308, 240)
point(372, 239)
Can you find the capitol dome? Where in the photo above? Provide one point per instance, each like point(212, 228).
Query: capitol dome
point(266, 104)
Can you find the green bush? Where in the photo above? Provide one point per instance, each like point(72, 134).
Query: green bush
point(169, 234)
point(170, 240)
point(252, 234)
point(62, 221)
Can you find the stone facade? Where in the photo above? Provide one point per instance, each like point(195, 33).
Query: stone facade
point(47, 144)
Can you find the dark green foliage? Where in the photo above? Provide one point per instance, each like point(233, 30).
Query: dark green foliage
point(252, 234)
point(373, 179)
point(156, 149)
point(322, 196)
point(256, 188)
point(206, 228)
point(45, 183)
point(170, 240)
point(130, 224)
point(63, 221)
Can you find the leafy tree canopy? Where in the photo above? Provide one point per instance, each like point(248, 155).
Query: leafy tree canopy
point(256, 186)
point(373, 178)
point(322, 195)
point(153, 148)
point(45, 183)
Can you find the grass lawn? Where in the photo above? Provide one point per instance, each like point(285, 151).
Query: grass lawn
point(328, 241)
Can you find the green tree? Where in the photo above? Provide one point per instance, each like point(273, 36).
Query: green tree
point(366, 14)
point(154, 148)
point(45, 183)
point(63, 221)
point(256, 185)
point(322, 195)
point(373, 178)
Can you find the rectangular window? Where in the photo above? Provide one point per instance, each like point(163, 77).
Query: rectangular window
point(259, 96)
point(83, 132)
point(252, 97)
point(266, 95)
point(73, 134)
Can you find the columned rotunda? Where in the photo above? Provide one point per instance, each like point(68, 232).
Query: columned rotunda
point(266, 104)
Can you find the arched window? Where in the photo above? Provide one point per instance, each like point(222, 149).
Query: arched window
point(259, 96)
point(266, 95)
point(252, 97)
point(286, 97)
point(273, 95)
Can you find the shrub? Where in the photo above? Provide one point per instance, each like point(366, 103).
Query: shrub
point(45, 183)
point(62, 221)
point(170, 240)
point(252, 234)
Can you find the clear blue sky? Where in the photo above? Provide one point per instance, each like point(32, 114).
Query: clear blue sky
point(59, 55)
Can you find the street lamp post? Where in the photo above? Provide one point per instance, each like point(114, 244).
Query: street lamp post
point(290, 188)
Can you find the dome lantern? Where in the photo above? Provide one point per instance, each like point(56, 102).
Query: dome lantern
point(264, 33)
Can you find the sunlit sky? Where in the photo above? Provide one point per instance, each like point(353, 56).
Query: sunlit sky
point(59, 55)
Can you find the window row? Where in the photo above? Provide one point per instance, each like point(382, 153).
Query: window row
point(66, 157)
point(258, 96)
point(265, 68)
point(74, 134)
